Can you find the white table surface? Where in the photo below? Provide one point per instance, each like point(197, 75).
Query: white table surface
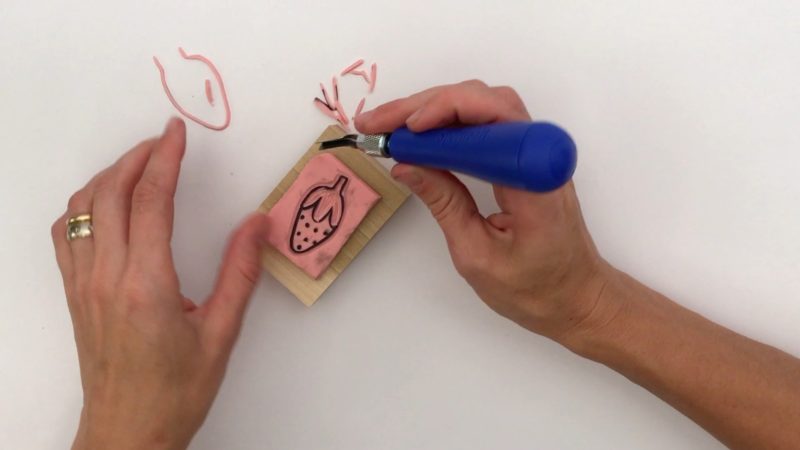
point(686, 115)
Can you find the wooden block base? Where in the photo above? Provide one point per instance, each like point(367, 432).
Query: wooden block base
point(393, 195)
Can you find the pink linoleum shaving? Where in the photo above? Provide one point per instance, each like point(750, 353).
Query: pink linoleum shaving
point(335, 85)
point(373, 77)
point(342, 114)
point(209, 93)
point(322, 106)
point(332, 107)
point(325, 94)
point(359, 107)
point(362, 74)
point(222, 91)
point(352, 67)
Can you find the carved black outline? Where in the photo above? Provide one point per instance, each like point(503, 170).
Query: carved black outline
point(300, 210)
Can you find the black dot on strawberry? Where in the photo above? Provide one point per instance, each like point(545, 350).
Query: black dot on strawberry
point(323, 201)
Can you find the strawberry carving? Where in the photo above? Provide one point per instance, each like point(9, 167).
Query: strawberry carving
point(318, 216)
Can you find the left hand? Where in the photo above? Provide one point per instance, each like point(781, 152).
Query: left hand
point(151, 360)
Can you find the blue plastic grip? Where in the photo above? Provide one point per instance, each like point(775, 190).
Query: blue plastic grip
point(536, 156)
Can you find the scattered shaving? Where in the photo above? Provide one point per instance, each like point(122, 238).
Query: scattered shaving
point(359, 107)
point(352, 67)
point(332, 107)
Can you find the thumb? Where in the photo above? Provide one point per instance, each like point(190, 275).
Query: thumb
point(238, 276)
point(448, 199)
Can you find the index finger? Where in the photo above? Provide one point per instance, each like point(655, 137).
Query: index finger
point(152, 201)
point(468, 102)
point(392, 115)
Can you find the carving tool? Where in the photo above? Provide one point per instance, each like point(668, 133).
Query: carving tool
point(534, 156)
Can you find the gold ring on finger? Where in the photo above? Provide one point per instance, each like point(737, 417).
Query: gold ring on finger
point(79, 227)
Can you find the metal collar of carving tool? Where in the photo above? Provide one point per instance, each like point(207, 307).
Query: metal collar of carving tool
point(371, 144)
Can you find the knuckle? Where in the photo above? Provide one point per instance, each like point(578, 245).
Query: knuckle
point(442, 204)
point(445, 95)
point(510, 94)
point(451, 93)
point(443, 105)
point(105, 183)
point(472, 266)
point(474, 83)
point(78, 201)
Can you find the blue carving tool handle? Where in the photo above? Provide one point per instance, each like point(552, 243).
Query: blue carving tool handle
point(534, 156)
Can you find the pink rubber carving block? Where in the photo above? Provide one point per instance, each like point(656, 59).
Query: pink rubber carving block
point(318, 213)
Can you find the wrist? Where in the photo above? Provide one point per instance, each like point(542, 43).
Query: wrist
point(114, 426)
point(604, 326)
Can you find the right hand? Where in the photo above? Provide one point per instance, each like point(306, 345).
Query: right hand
point(533, 262)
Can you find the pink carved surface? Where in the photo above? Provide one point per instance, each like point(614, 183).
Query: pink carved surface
point(318, 214)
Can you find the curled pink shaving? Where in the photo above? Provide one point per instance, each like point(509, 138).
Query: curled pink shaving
point(359, 107)
point(362, 74)
point(209, 93)
point(345, 126)
point(325, 94)
point(352, 67)
point(324, 108)
point(342, 120)
point(342, 115)
point(373, 77)
point(332, 107)
point(222, 91)
point(335, 85)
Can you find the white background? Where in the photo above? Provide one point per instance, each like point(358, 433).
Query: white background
point(685, 113)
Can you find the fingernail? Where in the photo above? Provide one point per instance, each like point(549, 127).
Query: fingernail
point(172, 124)
point(410, 179)
point(365, 115)
point(413, 117)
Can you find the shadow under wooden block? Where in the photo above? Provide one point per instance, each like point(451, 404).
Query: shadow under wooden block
point(393, 195)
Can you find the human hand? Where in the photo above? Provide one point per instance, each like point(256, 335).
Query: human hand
point(151, 360)
point(534, 262)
